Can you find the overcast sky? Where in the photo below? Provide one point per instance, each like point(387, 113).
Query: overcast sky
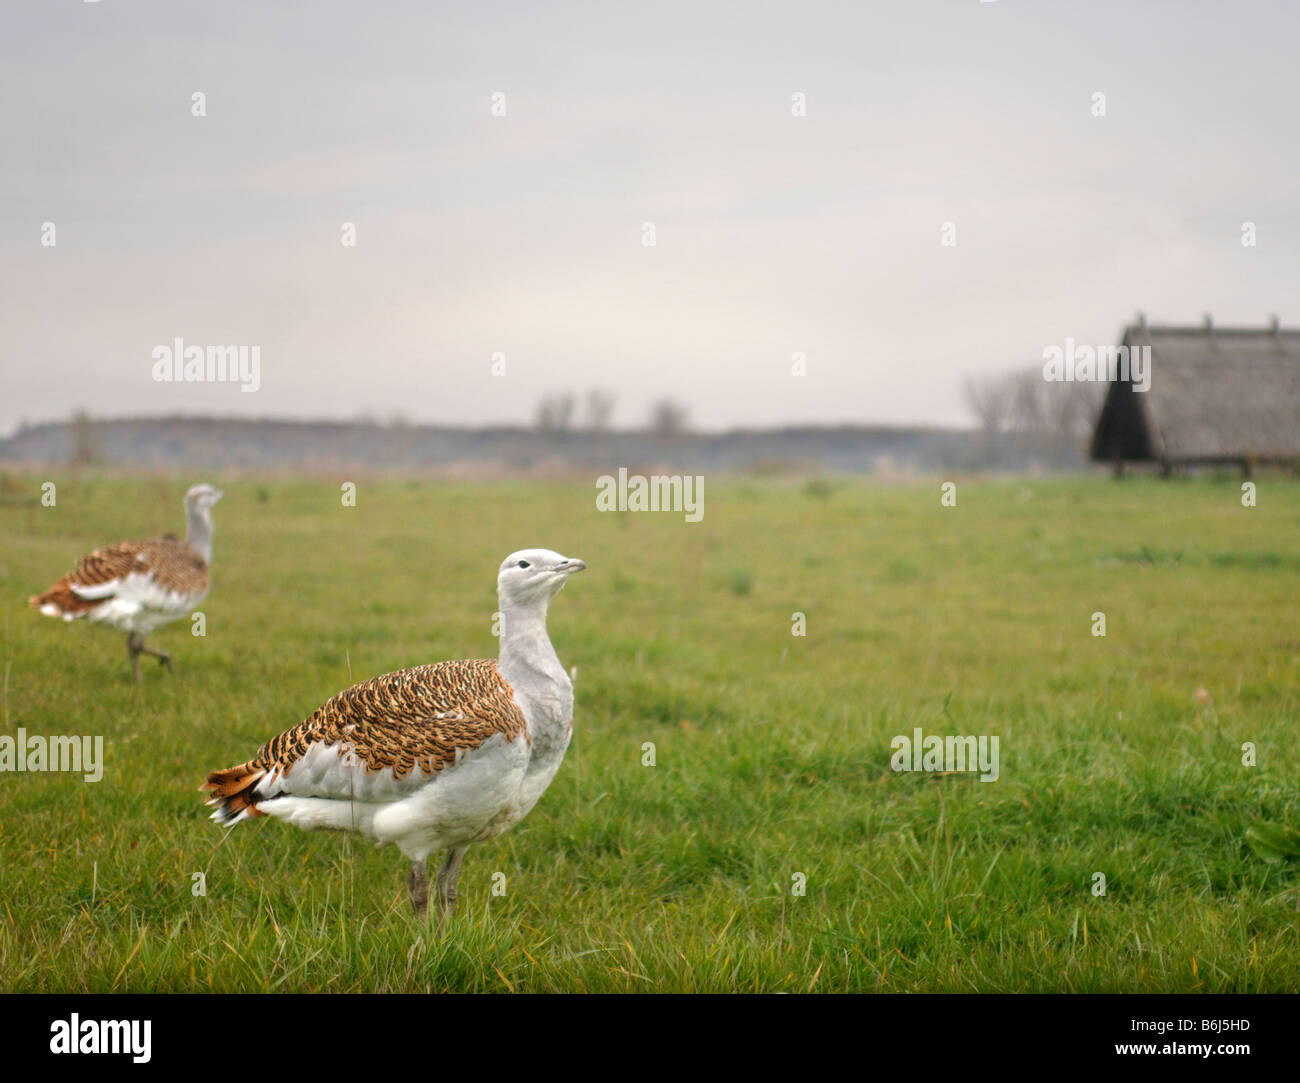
point(775, 234)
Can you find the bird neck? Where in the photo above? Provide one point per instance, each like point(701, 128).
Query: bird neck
point(198, 532)
point(526, 656)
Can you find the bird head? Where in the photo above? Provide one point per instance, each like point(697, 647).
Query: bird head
point(534, 575)
point(201, 497)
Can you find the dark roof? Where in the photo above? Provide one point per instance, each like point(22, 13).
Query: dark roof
point(1217, 393)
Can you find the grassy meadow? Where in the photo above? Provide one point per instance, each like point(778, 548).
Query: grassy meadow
point(771, 751)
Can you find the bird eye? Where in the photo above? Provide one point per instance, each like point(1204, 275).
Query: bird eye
point(523, 564)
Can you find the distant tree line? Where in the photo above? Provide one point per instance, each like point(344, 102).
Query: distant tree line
point(559, 413)
point(1022, 401)
point(187, 442)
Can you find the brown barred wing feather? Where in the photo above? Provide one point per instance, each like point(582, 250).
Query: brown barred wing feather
point(96, 571)
point(170, 568)
point(378, 734)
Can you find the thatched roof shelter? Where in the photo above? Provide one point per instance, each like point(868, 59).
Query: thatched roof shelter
point(1216, 395)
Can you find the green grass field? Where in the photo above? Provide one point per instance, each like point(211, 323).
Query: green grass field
point(772, 751)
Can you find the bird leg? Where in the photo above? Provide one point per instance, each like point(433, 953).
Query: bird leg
point(418, 882)
point(134, 645)
point(447, 877)
point(164, 659)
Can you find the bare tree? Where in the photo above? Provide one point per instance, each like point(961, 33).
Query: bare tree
point(989, 399)
point(599, 409)
point(1028, 400)
point(668, 418)
point(1085, 405)
point(1071, 408)
point(1052, 406)
point(1023, 401)
point(555, 413)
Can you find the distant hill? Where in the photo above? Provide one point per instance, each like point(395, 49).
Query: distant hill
point(275, 445)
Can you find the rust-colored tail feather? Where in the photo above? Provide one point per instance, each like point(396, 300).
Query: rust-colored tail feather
point(232, 792)
point(64, 598)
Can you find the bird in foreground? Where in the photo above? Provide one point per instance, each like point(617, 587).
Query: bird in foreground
point(431, 758)
point(137, 586)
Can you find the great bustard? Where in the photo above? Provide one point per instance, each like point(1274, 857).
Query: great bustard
point(431, 758)
point(138, 586)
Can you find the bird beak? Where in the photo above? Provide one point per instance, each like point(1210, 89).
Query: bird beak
point(218, 495)
point(570, 565)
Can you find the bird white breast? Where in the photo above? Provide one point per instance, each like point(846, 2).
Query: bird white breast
point(549, 714)
point(136, 603)
point(420, 813)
